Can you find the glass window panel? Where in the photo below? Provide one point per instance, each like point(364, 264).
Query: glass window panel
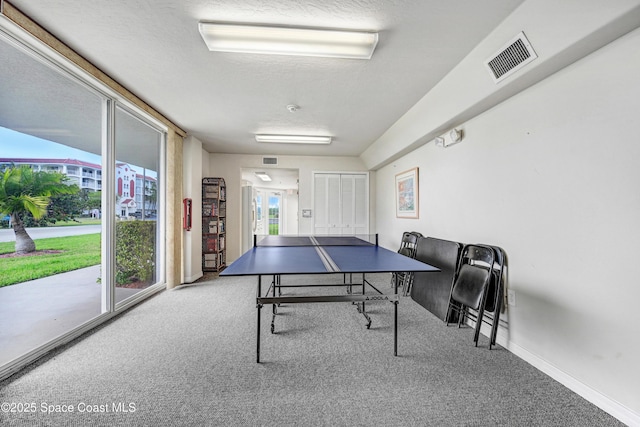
point(274, 213)
point(50, 123)
point(137, 182)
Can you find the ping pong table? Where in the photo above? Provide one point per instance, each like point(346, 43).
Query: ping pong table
point(276, 256)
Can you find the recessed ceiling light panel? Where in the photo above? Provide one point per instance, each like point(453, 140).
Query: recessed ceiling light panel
point(294, 139)
point(228, 37)
point(263, 176)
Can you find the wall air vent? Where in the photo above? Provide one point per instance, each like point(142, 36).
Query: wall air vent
point(513, 56)
point(270, 161)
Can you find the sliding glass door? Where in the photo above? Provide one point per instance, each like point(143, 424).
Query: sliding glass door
point(81, 208)
point(50, 131)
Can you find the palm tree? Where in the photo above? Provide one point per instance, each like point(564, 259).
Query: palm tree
point(151, 195)
point(24, 191)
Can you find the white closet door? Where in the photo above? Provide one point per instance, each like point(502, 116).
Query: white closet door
point(360, 222)
point(320, 213)
point(326, 207)
point(348, 201)
point(341, 203)
point(333, 204)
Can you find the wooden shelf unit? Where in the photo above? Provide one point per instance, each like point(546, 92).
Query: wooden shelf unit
point(214, 213)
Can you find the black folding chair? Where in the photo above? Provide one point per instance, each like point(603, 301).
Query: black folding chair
point(473, 285)
point(407, 248)
point(495, 300)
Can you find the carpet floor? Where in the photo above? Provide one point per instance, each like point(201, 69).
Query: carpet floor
point(188, 357)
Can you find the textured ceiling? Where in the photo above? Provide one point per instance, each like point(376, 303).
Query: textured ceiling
point(153, 48)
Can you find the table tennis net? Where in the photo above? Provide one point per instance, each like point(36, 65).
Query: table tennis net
point(319, 240)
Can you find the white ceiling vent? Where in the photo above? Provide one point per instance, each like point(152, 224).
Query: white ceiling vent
point(270, 161)
point(513, 56)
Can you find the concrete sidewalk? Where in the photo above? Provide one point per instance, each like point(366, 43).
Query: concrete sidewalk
point(8, 235)
point(35, 312)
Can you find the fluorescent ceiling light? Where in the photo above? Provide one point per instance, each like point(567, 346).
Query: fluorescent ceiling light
point(263, 176)
point(226, 37)
point(294, 139)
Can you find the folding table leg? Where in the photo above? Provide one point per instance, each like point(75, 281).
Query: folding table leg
point(258, 307)
point(395, 320)
point(274, 310)
point(363, 306)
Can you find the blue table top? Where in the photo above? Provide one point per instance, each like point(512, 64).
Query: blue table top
point(306, 260)
point(328, 240)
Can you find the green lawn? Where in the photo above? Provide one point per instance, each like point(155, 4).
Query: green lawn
point(77, 252)
point(273, 229)
point(79, 221)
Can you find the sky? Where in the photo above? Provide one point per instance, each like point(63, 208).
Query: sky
point(16, 144)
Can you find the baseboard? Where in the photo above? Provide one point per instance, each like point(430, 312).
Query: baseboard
point(613, 408)
point(193, 277)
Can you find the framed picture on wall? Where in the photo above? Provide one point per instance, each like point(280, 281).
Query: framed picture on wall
point(407, 194)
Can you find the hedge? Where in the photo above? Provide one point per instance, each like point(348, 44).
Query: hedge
point(135, 251)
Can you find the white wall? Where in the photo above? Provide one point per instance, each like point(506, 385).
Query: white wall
point(229, 167)
point(290, 202)
point(205, 163)
point(560, 32)
point(192, 188)
point(552, 176)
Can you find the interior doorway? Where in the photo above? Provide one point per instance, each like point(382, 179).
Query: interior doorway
point(269, 203)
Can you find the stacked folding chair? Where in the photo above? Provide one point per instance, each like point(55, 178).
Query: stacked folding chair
point(407, 248)
point(478, 289)
point(499, 280)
